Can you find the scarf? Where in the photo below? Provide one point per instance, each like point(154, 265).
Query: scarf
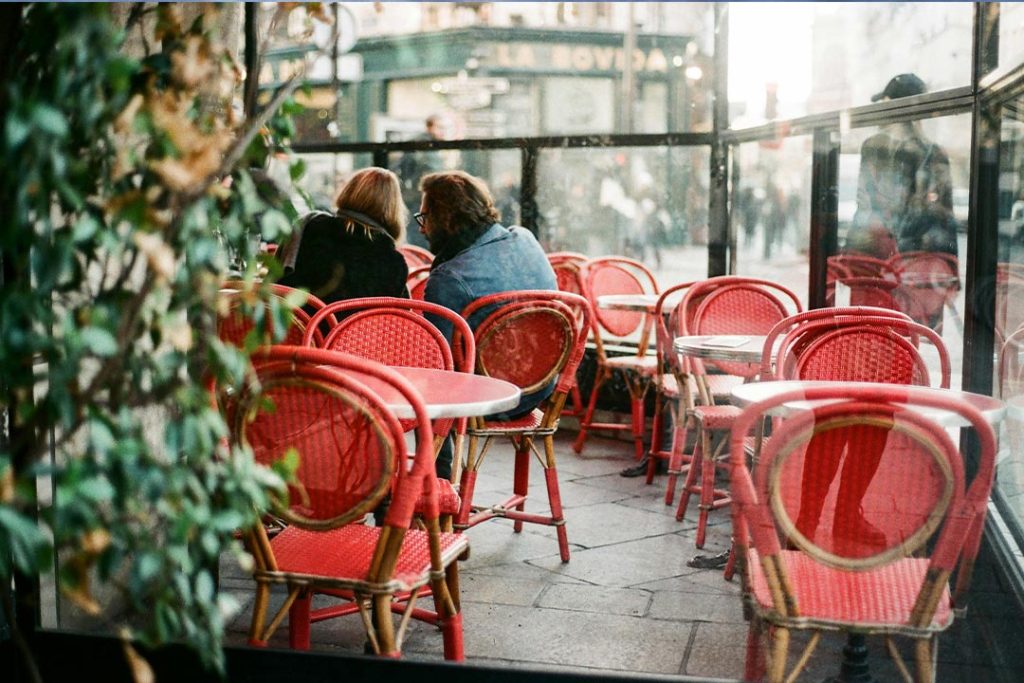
point(456, 244)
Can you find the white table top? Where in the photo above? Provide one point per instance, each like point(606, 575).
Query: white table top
point(743, 348)
point(449, 394)
point(637, 302)
point(993, 409)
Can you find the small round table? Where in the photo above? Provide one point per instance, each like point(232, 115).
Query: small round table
point(742, 348)
point(643, 303)
point(449, 394)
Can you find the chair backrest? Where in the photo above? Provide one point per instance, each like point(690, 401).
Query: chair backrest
point(735, 305)
point(567, 266)
point(394, 332)
point(245, 313)
point(861, 348)
point(531, 338)
point(416, 283)
point(669, 325)
point(911, 476)
point(415, 256)
point(774, 348)
point(351, 448)
point(928, 280)
point(616, 275)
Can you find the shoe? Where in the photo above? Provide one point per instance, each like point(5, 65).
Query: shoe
point(640, 469)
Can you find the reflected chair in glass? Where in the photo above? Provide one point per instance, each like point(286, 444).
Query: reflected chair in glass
point(862, 265)
point(535, 340)
point(566, 265)
point(723, 305)
point(416, 283)
point(351, 451)
point(414, 256)
point(929, 523)
point(394, 332)
point(618, 275)
point(866, 291)
point(929, 282)
point(245, 313)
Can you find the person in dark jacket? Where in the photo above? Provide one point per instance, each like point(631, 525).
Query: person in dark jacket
point(351, 253)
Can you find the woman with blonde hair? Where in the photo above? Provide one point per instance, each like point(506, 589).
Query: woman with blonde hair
point(351, 253)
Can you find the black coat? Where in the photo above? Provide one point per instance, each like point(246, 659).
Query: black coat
point(335, 263)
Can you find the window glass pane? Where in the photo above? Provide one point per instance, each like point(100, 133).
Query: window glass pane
point(1011, 34)
point(903, 218)
point(1009, 303)
point(325, 174)
point(646, 203)
point(505, 69)
point(791, 59)
point(771, 210)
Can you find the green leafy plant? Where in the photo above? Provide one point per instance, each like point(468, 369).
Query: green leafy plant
point(128, 196)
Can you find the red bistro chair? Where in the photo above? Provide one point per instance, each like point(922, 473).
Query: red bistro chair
point(929, 519)
point(567, 265)
point(531, 339)
point(862, 265)
point(867, 291)
point(351, 452)
point(246, 312)
point(723, 305)
point(393, 331)
point(417, 282)
point(414, 256)
point(617, 275)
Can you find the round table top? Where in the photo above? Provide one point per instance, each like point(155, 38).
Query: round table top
point(743, 348)
point(628, 302)
point(449, 394)
point(992, 409)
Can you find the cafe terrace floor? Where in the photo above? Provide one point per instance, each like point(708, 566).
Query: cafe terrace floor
point(626, 603)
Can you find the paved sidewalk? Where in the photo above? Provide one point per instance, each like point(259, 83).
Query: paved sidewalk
point(625, 603)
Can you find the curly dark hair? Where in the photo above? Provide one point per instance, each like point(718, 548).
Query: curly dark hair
point(456, 201)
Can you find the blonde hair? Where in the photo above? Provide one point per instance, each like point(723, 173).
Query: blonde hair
point(376, 193)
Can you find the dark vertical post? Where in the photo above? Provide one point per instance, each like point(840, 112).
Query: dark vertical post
point(718, 201)
point(824, 208)
point(380, 158)
point(528, 210)
point(252, 58)
point(982, 225)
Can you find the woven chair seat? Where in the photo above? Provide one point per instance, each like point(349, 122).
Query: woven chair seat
point(342, 556)
point(716, 417)
point(882, 597)
point(527, 424)
point(642, 365)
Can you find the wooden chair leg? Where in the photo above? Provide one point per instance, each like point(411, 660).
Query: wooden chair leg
point(696, 463)
point(259, 615)
point(385, 626)
point(707, 487)
point(779, 652)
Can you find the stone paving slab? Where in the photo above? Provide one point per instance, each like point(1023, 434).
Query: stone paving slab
point(596, 599)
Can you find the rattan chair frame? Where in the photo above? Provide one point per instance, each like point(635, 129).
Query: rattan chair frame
point(379, 591)
point(759, 538)
point(615, 326)
point(571, 314)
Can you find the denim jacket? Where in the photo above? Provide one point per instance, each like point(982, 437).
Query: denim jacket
point(501, 260)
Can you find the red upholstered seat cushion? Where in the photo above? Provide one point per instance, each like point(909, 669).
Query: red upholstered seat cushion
point(879, 597)
point(345, 553)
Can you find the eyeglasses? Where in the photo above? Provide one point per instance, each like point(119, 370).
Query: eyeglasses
point(421, 217)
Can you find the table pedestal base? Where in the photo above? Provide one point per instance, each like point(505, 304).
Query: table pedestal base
point(854, 668)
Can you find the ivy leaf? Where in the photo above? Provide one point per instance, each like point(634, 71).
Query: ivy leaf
point(273, 224)
point(99, 341)
point(16, 131)
point(49, 120)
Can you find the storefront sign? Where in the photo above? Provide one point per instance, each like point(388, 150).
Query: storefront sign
point(580, 58)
